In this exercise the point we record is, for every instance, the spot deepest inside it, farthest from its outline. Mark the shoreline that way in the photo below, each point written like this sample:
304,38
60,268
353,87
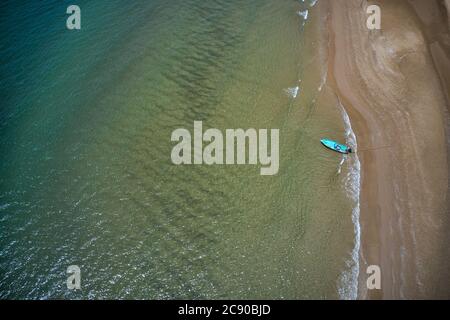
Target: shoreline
389,86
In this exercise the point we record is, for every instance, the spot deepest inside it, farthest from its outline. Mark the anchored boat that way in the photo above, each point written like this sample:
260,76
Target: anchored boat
335,146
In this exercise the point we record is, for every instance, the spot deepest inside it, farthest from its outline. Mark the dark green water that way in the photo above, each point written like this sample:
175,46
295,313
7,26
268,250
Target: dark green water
86,176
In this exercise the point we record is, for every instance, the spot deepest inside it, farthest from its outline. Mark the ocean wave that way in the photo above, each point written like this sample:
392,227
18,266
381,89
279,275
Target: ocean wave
303,14
323,81
292,92
348,289
313,3
344,157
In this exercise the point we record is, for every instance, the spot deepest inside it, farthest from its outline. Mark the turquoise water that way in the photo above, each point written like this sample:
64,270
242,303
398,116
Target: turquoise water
86,176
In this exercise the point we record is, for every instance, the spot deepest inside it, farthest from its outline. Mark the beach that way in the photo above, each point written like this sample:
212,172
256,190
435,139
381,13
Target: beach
393,84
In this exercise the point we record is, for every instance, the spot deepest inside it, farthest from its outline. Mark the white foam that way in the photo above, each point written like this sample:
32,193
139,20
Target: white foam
348,288
303,14
292,92
323,81
313,3
341,163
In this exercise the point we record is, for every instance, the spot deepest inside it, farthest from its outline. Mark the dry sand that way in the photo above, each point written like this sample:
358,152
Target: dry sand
394,84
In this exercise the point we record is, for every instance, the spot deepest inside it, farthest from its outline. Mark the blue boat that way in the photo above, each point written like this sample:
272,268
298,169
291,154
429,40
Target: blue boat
335,146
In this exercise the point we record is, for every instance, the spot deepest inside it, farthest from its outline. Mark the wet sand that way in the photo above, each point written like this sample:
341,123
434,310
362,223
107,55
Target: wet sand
393,83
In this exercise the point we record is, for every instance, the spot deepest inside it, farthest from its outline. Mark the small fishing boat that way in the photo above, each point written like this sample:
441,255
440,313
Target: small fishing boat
335,146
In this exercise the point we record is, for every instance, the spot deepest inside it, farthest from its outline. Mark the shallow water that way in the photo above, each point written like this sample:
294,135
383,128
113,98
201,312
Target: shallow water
86,176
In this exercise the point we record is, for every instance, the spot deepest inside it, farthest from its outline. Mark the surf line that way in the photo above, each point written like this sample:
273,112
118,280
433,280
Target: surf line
238,147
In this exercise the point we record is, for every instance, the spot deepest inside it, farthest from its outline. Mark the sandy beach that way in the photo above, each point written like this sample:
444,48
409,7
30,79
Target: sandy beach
394,84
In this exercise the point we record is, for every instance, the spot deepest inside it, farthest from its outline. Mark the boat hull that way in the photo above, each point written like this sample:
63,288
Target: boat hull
337,147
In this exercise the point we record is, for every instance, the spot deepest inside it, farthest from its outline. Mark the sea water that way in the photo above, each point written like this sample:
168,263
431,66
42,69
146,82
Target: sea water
86,176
